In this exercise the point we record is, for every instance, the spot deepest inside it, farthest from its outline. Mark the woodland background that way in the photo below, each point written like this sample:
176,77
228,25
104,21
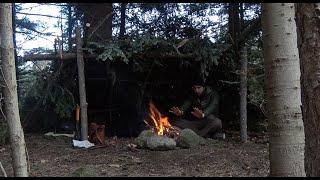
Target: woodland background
151,51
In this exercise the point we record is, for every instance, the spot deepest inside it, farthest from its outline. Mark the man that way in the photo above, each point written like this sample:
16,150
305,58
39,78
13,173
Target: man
200,111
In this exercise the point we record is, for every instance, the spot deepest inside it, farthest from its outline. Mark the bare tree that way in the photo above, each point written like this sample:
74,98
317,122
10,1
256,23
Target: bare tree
18,147
286,131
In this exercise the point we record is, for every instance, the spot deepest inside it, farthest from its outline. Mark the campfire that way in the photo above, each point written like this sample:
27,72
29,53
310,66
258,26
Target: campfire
160,125
163,136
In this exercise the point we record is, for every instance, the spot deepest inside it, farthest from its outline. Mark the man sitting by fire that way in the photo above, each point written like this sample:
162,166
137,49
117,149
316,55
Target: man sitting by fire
199,112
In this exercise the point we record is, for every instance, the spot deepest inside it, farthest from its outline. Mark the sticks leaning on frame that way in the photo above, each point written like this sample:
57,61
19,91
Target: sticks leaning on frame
3,171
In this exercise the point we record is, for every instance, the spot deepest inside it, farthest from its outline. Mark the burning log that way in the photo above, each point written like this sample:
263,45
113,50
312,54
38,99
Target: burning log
173,132
161,125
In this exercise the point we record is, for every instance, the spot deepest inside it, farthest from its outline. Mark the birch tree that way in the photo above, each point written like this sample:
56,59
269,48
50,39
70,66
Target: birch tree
286,131
18,151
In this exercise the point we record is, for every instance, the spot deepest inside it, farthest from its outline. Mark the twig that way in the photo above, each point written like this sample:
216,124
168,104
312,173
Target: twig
3,113
262,109
4,78
3,171
28,161
99,25
38,150
1,105
27,119
229,82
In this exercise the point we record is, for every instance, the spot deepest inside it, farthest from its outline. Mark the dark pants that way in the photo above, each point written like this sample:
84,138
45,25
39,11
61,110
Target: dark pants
203,127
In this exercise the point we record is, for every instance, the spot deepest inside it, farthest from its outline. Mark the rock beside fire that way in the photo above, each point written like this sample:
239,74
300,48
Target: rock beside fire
188,139
160,143
148,140
141,140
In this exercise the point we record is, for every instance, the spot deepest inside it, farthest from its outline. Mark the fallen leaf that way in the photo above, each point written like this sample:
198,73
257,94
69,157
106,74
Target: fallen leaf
132,145
137,161
115,138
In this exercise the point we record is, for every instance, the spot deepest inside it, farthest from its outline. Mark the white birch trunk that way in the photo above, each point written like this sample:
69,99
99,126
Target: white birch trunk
286,131
17,141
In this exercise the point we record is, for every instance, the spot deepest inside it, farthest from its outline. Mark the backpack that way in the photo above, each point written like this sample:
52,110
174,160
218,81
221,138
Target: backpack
97,134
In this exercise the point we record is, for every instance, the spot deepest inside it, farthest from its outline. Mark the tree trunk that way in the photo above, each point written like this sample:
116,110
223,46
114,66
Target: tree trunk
18,146
243,94
243,82
99,16
123,20
82,87
230,109
286,131
309,46
70,27
15,47
234,22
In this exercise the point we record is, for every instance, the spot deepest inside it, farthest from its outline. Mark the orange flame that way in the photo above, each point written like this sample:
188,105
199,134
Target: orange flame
161,124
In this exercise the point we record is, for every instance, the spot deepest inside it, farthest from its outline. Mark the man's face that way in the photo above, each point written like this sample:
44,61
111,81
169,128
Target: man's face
198,89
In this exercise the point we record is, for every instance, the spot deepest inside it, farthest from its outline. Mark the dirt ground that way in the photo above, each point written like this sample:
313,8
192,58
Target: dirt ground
55,156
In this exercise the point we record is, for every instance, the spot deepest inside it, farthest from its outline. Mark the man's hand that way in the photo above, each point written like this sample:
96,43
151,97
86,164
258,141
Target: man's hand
176,111
197,113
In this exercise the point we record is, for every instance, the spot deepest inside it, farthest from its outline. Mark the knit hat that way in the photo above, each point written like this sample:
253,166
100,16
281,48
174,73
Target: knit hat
198,81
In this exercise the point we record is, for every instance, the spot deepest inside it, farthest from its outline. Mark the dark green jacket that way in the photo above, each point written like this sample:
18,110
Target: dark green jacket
208,102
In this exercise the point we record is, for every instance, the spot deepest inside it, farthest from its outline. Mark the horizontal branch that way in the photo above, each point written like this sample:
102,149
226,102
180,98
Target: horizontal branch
44,15
55,57
73,56
38,33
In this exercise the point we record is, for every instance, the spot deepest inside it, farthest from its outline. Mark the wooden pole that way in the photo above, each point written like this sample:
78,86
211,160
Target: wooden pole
82,87
243,94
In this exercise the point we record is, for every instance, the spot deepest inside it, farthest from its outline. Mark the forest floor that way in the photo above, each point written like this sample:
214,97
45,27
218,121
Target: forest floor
56,157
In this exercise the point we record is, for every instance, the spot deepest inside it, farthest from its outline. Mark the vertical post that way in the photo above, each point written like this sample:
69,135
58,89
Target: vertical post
82,87
243,94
